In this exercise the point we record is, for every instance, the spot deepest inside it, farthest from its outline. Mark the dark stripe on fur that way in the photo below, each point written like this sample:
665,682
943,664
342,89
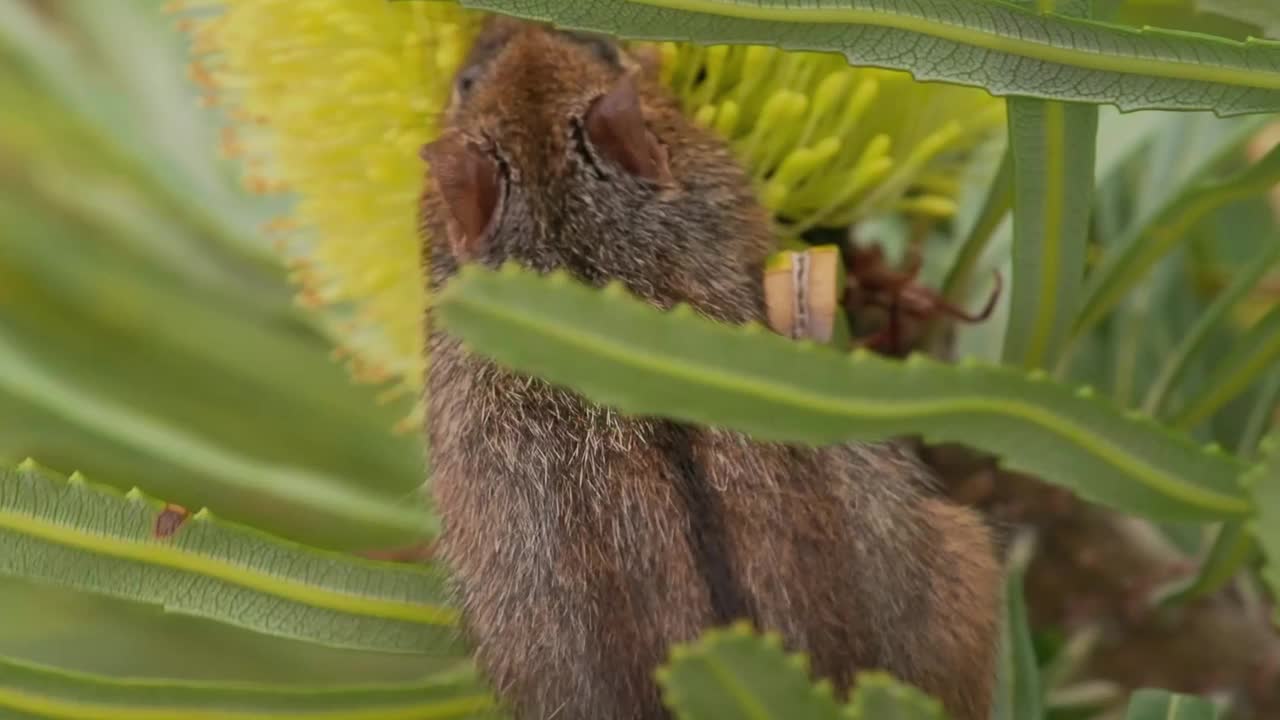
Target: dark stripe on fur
706,532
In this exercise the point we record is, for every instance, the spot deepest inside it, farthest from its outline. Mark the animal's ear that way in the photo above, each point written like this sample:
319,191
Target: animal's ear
470,184
616,126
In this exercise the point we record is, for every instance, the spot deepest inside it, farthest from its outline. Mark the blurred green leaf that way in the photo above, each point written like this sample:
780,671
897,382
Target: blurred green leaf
734,674
1178,362
1087,61
1264,482
1158,233
880,697
1164,705
1263,13
170,159
621,352
1019,695
1053,170
1261,415
51,693
1231,547
83,537
103,336
24,378
1252,355
995,207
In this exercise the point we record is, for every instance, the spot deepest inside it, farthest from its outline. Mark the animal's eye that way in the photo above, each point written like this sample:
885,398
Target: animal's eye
467,80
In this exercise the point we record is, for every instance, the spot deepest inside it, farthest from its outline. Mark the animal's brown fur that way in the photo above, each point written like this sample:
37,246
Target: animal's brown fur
584,543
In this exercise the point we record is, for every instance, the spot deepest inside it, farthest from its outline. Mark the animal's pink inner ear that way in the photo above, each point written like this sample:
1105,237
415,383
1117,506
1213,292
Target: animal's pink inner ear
616,127
468,180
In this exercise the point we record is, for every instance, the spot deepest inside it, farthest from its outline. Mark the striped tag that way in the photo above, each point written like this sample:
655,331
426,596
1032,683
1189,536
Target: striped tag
802,292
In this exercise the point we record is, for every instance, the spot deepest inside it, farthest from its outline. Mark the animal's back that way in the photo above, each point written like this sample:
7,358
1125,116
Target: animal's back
585,543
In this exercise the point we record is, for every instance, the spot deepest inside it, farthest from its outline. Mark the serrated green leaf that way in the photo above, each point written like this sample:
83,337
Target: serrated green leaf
46,692
619,351
1053,163
961,41
89,538
1019,690
1152,238
734,674
1164,705
880,697
1252,355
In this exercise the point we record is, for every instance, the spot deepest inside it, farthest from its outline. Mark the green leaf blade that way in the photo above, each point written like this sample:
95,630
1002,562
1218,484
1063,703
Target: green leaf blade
1179,362
1252,355
733,674
964,42
1053,181
1158,234
87,538
50,693
1020,695
1163,705
880,697
1264,482
618,351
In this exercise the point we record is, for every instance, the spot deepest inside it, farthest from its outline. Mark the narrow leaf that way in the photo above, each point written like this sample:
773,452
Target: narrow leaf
1232,546
1264,482
1020,696
621,352
1153,238
1253,354
25,378
51,693
733,674
1176,366
1164,705
1261,416
880,697
89,538
963,42
1053,147
994,208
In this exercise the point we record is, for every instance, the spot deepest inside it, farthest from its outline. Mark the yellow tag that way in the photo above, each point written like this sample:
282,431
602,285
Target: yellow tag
801,290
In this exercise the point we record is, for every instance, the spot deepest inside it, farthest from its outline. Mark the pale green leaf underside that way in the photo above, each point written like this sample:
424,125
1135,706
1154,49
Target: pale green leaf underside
1005,49
49,693
92,539
621,352
1163,705
1053,194
733,674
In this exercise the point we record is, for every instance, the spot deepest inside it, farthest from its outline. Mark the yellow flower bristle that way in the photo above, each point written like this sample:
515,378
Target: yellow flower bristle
830,145
333,98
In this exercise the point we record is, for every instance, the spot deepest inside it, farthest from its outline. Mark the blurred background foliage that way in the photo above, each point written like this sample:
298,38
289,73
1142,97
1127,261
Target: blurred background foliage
149,336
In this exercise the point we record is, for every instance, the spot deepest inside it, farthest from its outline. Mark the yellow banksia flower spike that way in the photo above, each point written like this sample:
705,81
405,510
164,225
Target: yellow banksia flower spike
332,99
